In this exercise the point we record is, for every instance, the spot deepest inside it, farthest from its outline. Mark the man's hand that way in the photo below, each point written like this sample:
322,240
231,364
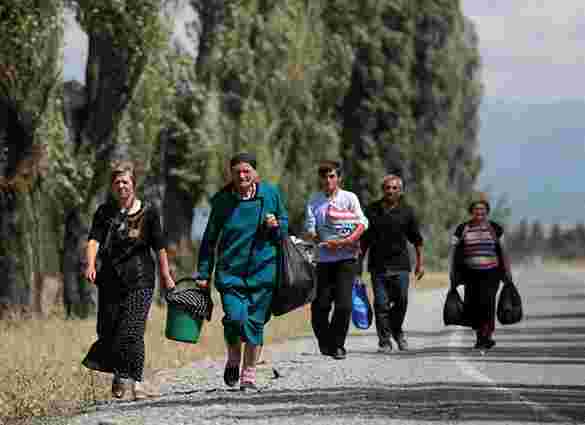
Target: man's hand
202,284
334,244
90,273
310,237
419,271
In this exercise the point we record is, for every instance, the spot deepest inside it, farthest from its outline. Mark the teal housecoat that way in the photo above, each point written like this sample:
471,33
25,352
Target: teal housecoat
245,260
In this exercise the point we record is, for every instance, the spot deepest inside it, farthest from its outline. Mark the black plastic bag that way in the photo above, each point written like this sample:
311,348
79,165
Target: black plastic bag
297,280
361,309
453,310
509,310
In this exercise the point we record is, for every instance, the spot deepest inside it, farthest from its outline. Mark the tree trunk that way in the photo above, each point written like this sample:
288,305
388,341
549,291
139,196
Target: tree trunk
16,155
78,294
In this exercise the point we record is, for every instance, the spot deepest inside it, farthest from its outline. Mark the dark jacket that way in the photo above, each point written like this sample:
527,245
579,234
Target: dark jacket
387,237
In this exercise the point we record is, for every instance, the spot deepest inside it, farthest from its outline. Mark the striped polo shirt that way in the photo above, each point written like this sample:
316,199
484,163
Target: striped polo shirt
479,247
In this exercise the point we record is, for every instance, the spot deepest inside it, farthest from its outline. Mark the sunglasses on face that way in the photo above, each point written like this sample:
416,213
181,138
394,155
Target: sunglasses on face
392,187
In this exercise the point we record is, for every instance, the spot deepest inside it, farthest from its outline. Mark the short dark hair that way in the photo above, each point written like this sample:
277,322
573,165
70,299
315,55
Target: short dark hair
328,165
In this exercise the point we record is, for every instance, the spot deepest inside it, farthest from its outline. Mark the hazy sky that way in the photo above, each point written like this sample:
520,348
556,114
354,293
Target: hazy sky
74,50
531,49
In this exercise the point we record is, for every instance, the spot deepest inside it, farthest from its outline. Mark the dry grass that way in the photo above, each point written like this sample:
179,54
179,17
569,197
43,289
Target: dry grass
432,280
42,375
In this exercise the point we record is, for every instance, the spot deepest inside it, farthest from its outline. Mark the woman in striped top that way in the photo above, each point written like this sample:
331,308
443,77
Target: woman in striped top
480,263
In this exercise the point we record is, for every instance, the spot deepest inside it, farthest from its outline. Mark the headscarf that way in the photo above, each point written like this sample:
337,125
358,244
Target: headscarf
249,158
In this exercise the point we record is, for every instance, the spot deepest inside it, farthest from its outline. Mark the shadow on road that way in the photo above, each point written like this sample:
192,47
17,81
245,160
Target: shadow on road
529,343
433,401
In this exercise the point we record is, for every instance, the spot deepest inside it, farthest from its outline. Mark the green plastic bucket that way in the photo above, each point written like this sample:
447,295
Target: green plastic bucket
181,326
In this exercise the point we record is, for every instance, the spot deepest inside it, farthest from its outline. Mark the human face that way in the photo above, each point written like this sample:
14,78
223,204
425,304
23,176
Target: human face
328,180
479,213
123,188
392,190
243,176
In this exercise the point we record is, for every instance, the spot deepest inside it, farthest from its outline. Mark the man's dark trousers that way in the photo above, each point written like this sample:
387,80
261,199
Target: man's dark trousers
334,285
390,303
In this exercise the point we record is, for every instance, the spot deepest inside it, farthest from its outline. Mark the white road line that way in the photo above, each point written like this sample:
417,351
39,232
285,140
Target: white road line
541,412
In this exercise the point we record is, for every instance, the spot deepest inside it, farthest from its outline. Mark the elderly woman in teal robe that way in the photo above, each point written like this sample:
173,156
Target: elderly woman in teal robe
240,245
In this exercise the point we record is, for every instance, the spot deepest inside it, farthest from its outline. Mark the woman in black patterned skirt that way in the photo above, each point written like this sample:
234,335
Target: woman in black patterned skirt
122,235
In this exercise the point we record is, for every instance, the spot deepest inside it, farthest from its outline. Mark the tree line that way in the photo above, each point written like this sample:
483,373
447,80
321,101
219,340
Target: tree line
386,86
528,240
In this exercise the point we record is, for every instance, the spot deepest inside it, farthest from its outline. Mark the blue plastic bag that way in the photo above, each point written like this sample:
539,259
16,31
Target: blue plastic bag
361,309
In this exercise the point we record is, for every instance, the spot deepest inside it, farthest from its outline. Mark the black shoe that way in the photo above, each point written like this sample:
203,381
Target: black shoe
488,343
326,351
484,343
231,375
339,353
401,342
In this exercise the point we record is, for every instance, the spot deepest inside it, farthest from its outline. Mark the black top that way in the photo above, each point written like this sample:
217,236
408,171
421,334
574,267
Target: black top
125,256
387,234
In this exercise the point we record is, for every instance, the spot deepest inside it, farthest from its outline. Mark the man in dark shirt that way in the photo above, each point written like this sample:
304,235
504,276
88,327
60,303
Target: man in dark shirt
392,225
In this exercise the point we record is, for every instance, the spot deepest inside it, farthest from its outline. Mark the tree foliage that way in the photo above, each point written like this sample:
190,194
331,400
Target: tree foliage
31,34
387,86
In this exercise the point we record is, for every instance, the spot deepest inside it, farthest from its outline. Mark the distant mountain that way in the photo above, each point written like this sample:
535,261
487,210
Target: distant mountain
534,154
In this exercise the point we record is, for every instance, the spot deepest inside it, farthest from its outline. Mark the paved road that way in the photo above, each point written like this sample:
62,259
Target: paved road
534,375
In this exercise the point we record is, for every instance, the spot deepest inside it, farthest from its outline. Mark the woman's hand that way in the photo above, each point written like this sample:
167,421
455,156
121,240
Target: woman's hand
90,273
271,221
168,281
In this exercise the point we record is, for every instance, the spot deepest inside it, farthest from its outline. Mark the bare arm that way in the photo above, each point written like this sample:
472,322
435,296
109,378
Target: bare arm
165,272
90,257
451,261
506,261
419,269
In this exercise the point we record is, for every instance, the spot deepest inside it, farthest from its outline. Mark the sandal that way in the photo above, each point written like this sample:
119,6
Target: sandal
248,381
143,390
122,388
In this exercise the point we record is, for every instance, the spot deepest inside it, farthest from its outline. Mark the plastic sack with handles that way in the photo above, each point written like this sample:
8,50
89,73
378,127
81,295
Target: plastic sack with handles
509,309
296,279
361,309
453,310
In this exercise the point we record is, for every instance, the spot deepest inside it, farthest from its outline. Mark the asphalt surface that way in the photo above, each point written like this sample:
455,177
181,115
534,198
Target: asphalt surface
534,375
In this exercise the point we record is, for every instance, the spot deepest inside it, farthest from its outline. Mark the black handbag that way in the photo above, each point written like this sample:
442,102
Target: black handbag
296,279
509,309
454,309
